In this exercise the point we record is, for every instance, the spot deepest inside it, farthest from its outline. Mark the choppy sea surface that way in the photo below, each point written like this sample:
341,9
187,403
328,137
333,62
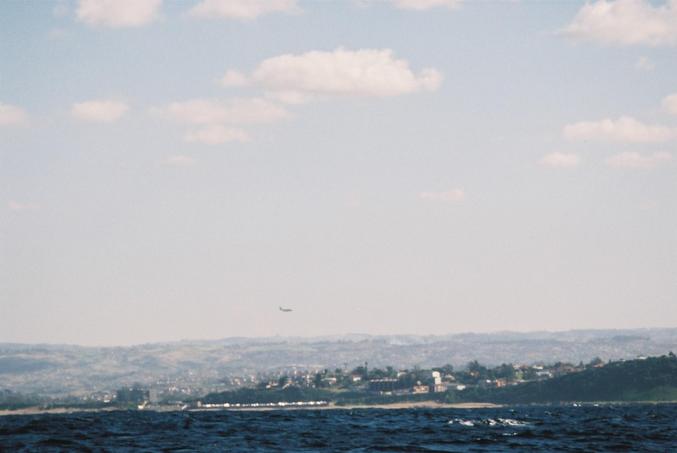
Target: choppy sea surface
587,428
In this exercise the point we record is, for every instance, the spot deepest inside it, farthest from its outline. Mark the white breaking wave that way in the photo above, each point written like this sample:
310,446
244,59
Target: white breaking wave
488,422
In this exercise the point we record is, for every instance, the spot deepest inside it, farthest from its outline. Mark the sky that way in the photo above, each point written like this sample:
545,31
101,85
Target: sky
180,169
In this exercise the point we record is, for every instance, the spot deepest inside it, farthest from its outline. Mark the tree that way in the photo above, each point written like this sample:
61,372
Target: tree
595,362
477,371
377,373
505,371
360,371
446,369
317,381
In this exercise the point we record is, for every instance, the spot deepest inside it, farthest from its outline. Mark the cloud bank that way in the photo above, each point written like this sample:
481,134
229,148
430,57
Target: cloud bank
624,129
560,160
297,79
424,5
242,9
216,118
117,13
20,206
626,22
99,111
234,79
342,72
216,135
670,104
11,115
637,160
235,111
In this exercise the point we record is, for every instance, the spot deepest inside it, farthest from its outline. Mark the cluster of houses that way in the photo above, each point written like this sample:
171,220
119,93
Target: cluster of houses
388,381
418,381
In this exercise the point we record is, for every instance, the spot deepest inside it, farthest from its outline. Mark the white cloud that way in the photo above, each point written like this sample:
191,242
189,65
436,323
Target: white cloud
670,104
423,5
215,118
560,160
366,72
644,64
242,9
100,111
19,206
11,115
216,135
450,196
626,22
236,111
234,79
180,161
289,97
637,160
624,129
117,13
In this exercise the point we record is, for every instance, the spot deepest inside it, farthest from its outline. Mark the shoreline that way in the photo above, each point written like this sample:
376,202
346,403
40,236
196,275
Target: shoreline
417,405
330,406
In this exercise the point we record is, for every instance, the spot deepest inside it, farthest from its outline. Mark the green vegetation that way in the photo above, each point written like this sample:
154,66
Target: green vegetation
14,401
131,395
652,379
11,400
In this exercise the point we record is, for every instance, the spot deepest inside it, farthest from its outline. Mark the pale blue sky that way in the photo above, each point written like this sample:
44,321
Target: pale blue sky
529,183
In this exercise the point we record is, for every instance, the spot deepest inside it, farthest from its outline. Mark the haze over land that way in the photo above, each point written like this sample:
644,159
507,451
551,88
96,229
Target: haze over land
200,366
179,169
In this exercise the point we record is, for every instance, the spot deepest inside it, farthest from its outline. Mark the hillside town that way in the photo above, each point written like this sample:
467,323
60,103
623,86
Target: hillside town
643,378
386,381
188,369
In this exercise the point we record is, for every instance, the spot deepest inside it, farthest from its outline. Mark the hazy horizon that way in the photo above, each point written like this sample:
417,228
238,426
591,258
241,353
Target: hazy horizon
181,169
302,337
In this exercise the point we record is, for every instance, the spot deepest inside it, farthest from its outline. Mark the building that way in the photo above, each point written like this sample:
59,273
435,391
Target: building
329,381
383,385
437,385
420,388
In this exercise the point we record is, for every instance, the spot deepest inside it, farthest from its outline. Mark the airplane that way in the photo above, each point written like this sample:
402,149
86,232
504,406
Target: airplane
286,310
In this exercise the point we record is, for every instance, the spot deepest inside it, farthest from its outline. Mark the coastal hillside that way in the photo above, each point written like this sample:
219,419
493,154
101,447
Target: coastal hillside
646,379
651,379
200,366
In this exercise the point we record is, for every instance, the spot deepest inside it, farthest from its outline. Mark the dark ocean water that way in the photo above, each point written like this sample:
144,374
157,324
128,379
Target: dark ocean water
530,428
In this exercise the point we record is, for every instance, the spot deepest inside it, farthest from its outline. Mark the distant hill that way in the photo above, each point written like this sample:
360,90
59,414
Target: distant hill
62,369
651,379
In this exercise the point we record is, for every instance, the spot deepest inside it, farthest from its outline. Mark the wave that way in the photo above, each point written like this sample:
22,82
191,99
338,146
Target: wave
489,422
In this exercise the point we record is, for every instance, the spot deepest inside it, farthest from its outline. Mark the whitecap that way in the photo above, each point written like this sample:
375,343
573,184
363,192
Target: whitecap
462,422
513,422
